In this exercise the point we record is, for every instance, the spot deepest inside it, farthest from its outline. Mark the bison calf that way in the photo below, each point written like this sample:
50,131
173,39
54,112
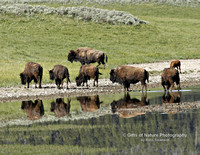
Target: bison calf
59,73
86,72
176,64
32,71
86,55
128,74
168,77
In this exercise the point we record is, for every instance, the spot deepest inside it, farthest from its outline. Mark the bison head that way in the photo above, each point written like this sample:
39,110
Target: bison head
23,78
52,75
112,75
71,56
78,81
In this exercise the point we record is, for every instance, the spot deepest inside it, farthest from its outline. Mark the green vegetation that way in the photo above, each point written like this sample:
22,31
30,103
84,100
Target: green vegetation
47,39
108,134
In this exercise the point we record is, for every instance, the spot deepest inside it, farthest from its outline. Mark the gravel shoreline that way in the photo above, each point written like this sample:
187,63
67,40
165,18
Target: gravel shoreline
190,75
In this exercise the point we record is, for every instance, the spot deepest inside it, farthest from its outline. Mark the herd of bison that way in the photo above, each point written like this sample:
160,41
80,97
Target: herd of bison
123,74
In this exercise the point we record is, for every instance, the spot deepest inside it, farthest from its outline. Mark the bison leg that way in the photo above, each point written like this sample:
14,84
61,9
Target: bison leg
94,83
27,84
87,84
144,85
126,86
164,86
39,81
171,83
62,84
97,82
57,83
67,82
35,80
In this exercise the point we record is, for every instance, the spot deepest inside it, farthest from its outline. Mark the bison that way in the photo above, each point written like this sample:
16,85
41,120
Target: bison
59,73
176,64
86,55
127,105
34,110
32,71
168,77
89,103
86,72
60,108
126,75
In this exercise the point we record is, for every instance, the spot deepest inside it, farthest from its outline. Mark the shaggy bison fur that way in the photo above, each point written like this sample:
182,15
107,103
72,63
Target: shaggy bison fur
32,71
170,76
59,73
127,75
86,72
86,55
176,64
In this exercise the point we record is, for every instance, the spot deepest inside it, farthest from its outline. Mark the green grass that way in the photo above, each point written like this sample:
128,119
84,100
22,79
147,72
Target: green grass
47,39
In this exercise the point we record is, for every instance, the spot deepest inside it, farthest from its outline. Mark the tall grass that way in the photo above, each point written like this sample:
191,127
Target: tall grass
47,39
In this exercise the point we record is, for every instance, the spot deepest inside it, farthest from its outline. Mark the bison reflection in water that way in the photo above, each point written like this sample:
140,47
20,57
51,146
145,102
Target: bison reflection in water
60,108
89,103
173,97
126,107
34,110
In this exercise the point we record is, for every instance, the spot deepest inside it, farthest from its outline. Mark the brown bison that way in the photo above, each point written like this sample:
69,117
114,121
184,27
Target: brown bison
126,106
86,72
173,97
60,108
89,103
126,75
32,71
59,73
34,110
176,64
86,55
168,77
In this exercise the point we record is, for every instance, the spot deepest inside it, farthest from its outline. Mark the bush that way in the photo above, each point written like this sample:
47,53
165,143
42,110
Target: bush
81,13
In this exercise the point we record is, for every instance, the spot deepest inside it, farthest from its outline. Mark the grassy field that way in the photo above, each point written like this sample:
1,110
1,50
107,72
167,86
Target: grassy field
172,33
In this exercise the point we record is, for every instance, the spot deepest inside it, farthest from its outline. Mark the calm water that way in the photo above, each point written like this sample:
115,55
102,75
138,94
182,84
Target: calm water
110,122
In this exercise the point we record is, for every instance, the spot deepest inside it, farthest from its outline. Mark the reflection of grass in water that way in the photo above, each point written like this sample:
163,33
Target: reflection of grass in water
53,149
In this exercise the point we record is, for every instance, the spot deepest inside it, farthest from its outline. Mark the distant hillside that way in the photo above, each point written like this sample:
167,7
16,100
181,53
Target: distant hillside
105,2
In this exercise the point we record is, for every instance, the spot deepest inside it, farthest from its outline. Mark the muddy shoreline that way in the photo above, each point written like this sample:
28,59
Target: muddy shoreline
190,76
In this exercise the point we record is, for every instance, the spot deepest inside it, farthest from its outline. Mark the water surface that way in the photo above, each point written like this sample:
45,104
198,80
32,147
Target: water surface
114,123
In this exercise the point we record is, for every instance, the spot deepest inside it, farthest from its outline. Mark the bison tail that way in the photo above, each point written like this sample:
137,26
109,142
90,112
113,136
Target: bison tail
41,73
106,58
67,75
68,79
146,76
